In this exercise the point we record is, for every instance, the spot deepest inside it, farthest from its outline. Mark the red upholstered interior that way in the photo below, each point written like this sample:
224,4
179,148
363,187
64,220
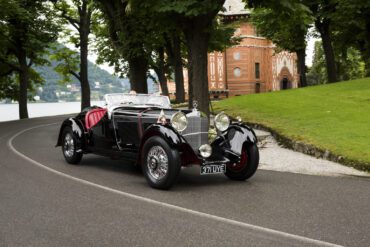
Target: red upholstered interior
93,117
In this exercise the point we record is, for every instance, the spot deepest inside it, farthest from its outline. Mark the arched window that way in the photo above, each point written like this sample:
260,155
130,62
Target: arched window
237,72
236,55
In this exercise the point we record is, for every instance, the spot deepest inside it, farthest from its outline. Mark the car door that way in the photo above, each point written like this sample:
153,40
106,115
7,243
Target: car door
102,137
126,129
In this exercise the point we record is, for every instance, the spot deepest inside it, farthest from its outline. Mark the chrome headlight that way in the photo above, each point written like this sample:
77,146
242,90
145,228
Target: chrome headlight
222,121
205,150
179,121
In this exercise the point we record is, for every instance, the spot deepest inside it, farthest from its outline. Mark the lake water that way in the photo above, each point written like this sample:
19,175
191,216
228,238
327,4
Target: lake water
9,112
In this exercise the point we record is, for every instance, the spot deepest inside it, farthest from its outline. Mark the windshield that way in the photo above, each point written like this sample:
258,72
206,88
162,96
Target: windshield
138,99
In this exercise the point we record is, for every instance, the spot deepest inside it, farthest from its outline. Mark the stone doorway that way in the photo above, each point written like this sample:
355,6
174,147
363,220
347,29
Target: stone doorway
285,84
285,79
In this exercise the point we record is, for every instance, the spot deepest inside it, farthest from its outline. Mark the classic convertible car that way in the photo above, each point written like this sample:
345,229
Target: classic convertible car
145,129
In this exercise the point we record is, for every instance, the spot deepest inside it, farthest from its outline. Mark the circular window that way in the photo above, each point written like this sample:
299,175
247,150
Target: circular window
236,55
237,72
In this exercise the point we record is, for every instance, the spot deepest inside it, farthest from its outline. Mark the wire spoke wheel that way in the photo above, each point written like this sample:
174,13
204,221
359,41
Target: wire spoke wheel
71,146
68,145
160,163
157,162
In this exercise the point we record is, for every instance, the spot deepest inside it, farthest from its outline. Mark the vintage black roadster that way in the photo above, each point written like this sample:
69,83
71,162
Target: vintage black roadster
159,139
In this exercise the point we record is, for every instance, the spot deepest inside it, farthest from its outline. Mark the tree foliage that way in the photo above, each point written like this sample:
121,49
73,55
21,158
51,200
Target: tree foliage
287,29
81,15
26,31
352,28
124,40
195,19
343,25
68,63
351,65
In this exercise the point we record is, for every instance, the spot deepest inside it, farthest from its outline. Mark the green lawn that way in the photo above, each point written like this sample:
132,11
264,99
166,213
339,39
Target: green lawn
334,117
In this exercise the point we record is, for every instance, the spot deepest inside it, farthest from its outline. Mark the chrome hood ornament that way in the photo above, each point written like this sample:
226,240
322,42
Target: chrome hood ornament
194,111
195,105
162,118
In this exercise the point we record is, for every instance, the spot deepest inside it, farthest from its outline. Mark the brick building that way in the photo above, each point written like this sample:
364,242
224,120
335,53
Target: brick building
252,66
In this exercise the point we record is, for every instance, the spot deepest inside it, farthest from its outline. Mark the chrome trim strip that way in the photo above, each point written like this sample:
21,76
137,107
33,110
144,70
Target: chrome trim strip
133,114
195,133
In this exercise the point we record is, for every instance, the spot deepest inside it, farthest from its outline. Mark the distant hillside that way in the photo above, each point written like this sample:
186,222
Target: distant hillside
101,82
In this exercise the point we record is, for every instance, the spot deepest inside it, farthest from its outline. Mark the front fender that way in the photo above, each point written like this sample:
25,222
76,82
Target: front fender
168,133
235,136
77,129
174,140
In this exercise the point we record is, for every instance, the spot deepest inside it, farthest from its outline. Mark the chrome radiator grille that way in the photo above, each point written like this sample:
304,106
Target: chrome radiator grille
196,133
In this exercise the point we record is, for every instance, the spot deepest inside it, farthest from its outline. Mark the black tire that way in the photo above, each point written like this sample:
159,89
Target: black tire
244,170
70,151
152,162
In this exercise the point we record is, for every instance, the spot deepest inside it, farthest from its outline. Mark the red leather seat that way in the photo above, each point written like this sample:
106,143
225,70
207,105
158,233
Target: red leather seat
94,116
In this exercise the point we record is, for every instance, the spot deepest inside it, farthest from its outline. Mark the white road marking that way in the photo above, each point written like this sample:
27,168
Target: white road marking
272,232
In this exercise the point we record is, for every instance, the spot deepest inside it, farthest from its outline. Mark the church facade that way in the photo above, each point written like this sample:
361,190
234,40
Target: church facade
252,66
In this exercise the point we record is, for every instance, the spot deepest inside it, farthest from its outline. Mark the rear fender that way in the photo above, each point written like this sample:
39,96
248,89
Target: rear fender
77,129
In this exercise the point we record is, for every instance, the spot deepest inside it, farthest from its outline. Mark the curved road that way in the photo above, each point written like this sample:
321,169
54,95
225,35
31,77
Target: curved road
102,202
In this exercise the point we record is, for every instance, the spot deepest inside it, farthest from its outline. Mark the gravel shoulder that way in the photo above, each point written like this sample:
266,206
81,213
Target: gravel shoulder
273,157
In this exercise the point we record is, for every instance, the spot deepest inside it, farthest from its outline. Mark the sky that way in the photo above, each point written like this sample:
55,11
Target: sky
310,49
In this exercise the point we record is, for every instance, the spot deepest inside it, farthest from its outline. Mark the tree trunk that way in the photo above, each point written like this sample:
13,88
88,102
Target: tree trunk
190,82
323,28
162,81
138,68
161,72
365,55
23,84
301,54
84,43
84,80
197,41
177,64
342,65
367,64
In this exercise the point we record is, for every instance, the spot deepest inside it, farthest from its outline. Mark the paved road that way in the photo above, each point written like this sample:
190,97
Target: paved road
104,202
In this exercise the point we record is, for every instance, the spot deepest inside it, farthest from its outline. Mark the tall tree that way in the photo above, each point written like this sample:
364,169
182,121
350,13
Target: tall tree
143,35
160,67
352,28
322,10
288,30
173,51
348,60
198,20
195,18
26,31
166,36
124,38
78,14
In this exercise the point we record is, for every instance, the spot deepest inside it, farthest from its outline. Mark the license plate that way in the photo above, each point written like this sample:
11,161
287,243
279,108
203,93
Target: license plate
212,169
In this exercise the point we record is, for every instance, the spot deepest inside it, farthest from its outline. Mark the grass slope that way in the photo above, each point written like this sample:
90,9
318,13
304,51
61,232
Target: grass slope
334,117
